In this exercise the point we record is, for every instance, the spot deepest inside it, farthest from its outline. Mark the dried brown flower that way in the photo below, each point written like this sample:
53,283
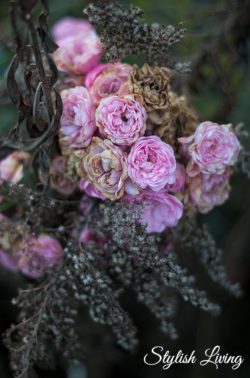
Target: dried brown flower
179,120
73,164
153,85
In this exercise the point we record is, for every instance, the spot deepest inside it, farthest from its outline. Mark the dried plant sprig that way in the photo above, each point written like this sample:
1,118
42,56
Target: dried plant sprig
124,32
244,158
130,239
197,239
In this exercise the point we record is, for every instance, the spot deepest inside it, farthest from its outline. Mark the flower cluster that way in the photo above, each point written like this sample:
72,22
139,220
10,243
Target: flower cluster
125,135
32,256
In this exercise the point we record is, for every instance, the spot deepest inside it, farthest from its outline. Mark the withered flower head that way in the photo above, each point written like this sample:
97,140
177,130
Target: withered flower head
153,85
73,164
179,120
106,167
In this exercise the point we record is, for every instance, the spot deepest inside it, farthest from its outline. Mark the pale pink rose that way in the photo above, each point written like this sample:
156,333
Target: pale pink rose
208,190
69,26
39,256
151,163
106,168
79,49
213,147
8,261
90,190
58,180
92,75
108,80
78,54
78,118
179,184
121,119
11,168
160,210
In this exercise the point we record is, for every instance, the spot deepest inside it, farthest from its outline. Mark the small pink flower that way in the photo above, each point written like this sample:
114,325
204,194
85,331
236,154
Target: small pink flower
90,190
11,168
121,119
79,46
78,118
58,180
213,147
179,184
208,190
88,235
40,255
160,210
151,163
108,80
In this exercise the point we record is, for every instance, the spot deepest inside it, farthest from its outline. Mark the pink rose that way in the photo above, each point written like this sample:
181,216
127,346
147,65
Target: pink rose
106,168
40,255
179,184
213,147
107,80
78,118
11,168
160,210
121,119
79,46
88,235
69,26
151,163
90,190
208,190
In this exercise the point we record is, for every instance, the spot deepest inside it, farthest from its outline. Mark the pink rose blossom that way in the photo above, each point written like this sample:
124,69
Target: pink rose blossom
78,118
88,235
151,163
40,255
213,147
179,184
90,190
11,168
107,80
160,210
69,26
208,190
79,46
121,119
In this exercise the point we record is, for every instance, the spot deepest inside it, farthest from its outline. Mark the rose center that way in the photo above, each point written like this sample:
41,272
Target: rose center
124,118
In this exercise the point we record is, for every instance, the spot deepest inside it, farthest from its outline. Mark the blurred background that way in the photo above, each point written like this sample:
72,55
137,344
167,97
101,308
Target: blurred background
218,45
